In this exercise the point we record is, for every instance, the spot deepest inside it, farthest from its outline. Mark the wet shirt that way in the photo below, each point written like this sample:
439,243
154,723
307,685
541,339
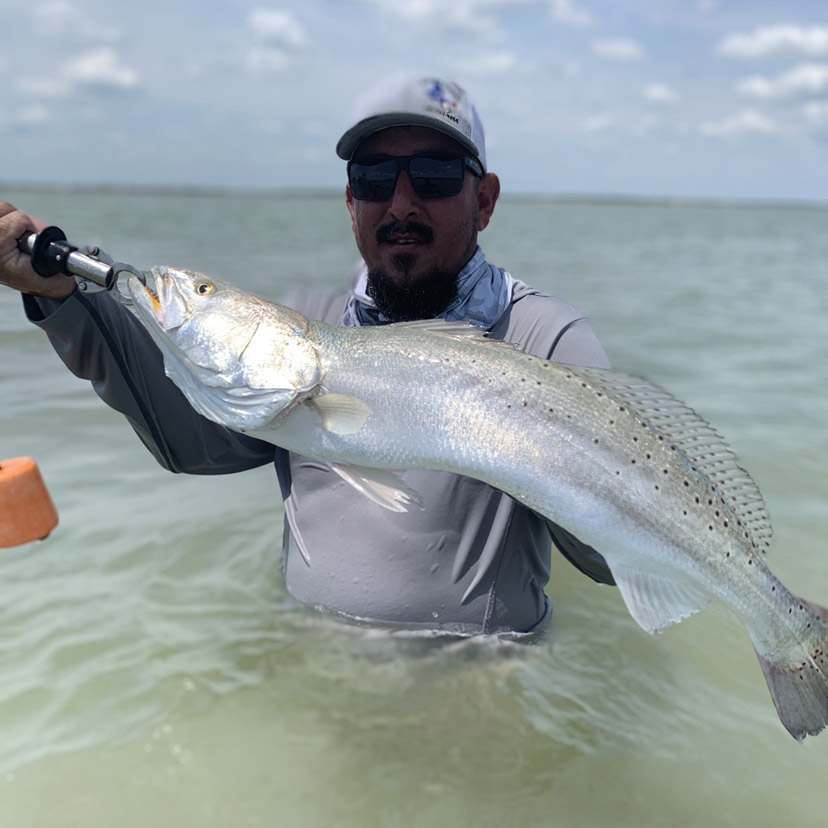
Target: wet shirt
473,560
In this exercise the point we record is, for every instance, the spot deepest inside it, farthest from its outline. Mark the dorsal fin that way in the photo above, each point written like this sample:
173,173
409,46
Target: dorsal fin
706,452
459,329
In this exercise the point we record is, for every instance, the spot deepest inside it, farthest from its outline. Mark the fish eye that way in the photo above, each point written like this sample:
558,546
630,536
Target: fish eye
204,288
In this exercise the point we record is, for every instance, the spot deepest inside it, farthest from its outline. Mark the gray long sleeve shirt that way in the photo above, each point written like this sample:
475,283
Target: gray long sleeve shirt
473,561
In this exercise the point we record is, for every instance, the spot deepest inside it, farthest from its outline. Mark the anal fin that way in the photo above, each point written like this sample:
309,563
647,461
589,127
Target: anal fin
657,599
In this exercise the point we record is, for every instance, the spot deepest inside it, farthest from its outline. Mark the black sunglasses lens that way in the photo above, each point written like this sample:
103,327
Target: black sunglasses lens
436,177
373,182
432,176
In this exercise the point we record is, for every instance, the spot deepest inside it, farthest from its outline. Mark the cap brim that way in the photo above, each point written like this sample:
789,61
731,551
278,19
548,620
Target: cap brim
349,142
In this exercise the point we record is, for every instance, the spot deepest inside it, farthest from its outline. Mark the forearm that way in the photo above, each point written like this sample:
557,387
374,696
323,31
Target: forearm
100,341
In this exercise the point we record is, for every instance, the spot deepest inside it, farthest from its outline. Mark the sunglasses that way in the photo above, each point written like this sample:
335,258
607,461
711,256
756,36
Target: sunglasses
432,175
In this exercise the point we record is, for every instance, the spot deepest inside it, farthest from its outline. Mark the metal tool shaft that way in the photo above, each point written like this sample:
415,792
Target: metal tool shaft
51,254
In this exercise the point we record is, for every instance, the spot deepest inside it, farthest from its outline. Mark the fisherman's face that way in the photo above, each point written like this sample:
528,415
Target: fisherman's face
413,241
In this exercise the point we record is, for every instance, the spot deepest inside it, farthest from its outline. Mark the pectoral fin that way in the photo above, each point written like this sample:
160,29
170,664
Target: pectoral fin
382,487
339,413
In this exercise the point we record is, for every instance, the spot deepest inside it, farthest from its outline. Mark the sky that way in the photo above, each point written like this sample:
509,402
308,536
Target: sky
724,99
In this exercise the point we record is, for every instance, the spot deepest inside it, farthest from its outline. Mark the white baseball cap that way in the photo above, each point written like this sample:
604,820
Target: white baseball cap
414,101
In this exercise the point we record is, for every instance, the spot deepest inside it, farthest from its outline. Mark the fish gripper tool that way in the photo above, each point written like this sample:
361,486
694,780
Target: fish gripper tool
51,254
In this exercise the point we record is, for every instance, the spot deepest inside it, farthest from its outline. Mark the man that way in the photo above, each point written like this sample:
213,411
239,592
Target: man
418,192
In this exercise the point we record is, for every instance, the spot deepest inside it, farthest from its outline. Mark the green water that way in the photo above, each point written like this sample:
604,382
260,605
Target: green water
154,670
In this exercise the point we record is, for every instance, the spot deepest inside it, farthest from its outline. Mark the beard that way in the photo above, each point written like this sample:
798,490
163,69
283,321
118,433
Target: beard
422,297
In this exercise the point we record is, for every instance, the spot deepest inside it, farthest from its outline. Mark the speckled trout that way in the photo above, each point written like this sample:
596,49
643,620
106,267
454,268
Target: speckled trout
613,459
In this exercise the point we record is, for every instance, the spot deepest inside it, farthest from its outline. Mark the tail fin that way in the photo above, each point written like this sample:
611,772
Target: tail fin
799,688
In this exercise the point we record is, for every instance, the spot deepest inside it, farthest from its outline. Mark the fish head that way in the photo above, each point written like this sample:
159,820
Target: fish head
239,359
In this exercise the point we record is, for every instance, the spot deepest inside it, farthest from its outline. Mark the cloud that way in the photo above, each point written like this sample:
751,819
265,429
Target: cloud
56,18
278,37
277,28
30,117
100,69
597,123
51,87
768,41
816,113
621,49
488,63
659,93
566,12
805,80
471,17
479,18
744,122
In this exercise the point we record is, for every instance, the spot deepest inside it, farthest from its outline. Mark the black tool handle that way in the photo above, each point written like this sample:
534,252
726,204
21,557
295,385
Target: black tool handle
52,254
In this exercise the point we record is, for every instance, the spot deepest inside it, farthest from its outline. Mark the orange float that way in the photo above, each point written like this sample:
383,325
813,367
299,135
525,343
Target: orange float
26,509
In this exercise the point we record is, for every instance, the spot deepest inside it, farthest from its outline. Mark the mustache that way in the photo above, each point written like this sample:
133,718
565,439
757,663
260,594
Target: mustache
408,228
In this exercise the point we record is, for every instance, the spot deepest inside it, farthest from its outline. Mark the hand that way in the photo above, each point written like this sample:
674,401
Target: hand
16,267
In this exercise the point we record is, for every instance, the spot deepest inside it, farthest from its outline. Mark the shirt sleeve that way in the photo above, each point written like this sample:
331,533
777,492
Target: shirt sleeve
100,341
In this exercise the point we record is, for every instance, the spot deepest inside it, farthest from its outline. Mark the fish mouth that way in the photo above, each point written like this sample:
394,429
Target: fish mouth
154,300
159,300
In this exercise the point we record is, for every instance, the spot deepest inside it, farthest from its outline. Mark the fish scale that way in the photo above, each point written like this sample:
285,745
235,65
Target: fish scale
616,461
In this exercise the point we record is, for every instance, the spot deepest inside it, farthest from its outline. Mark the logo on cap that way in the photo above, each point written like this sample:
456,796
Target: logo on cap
440,94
